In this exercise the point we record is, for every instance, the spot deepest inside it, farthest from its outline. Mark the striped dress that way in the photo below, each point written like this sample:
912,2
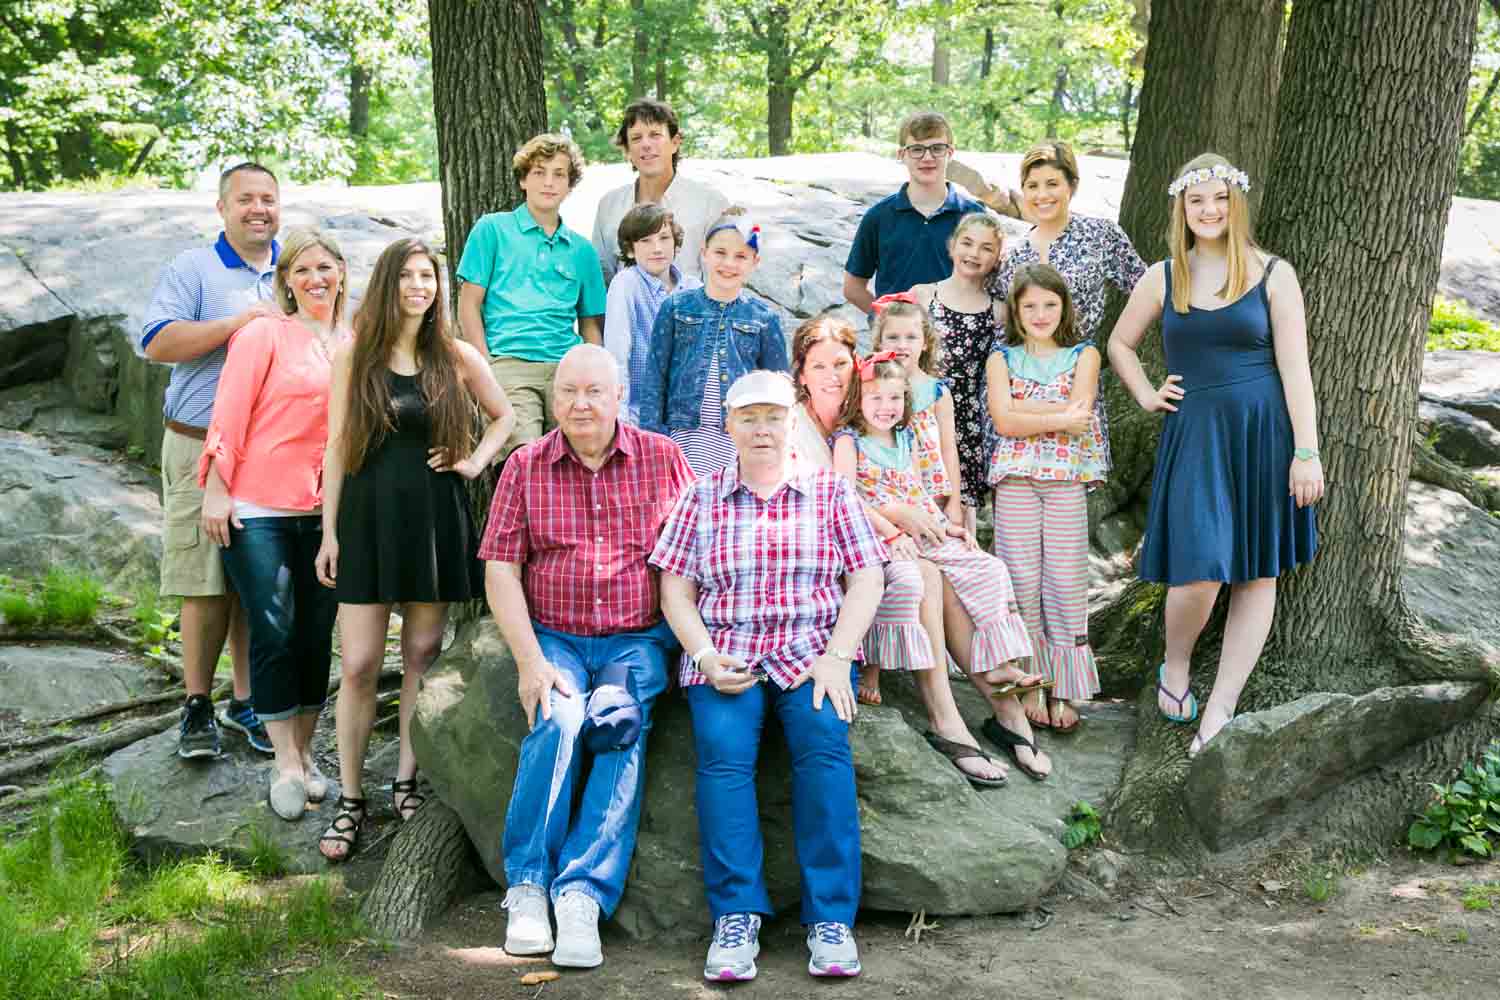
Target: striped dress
706,447
1042,521
885,475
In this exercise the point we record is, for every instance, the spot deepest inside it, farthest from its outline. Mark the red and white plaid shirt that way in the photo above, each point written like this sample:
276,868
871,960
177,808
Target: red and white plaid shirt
768,571
582,537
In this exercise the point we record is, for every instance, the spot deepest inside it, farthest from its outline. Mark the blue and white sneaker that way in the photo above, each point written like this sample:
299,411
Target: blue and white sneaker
732,953
833,950
240,717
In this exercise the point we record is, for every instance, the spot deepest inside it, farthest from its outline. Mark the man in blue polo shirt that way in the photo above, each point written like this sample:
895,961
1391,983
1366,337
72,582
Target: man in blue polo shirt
903,239
204,296
526,279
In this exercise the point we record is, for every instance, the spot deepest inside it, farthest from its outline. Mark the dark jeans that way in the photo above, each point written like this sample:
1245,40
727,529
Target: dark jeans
270,562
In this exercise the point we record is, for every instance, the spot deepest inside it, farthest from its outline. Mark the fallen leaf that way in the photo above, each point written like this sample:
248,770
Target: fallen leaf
1271,885
537,978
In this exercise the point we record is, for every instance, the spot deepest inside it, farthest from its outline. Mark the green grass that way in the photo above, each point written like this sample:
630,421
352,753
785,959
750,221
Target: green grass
63,597
1454,327
17,608
210,931
1482,896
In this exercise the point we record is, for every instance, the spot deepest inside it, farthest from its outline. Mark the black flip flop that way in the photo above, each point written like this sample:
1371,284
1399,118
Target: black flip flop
1009,742
956,752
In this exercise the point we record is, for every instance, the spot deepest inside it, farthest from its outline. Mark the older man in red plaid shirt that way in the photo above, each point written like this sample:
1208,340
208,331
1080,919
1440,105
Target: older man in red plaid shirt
573,519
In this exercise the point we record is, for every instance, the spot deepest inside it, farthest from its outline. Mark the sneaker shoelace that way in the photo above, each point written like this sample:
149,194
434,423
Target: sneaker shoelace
733,931
830,933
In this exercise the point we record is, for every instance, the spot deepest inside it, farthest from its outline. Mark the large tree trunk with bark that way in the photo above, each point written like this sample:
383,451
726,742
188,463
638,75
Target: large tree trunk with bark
1211,77
1361,181
359,100
431,864
487,100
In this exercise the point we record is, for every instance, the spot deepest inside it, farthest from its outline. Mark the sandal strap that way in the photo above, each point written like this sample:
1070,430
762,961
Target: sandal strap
347,821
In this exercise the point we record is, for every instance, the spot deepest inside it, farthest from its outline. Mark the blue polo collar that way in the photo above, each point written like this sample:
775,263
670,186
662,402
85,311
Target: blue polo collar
526,223
655,284
232,259
950,203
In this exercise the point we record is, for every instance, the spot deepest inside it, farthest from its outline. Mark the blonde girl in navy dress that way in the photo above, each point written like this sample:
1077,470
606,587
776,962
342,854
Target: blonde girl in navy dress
1237,469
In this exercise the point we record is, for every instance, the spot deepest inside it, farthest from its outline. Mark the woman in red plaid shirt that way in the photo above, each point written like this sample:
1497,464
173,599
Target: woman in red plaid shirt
770,576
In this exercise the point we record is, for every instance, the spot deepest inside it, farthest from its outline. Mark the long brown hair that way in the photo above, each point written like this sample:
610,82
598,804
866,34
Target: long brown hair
1239,235
377,327
813,332
1047,278
928,361
854,415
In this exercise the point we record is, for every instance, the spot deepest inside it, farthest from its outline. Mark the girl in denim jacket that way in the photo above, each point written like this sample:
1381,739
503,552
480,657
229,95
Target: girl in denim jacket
703,340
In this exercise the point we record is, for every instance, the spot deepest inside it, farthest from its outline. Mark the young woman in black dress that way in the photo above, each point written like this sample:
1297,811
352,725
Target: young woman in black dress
396,522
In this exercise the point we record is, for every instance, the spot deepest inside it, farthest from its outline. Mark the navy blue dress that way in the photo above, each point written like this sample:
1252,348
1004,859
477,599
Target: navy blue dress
1220,507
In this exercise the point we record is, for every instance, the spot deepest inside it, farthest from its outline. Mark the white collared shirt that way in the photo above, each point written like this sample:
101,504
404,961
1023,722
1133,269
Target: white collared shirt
694,206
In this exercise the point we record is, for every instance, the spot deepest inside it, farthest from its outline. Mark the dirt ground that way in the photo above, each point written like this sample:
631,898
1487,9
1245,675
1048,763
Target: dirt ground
1392,930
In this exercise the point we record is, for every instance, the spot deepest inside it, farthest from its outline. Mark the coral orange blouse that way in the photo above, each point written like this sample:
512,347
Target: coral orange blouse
270,422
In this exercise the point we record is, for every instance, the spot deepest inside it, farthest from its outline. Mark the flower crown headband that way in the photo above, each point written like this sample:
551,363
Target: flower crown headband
749,231
1217,172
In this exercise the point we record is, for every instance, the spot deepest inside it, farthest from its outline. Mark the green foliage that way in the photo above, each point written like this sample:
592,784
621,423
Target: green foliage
1083,826
1479,155
154,622
1464,816
265,857
1481,896
18,609
1454,327
70,597
1320,887
67,878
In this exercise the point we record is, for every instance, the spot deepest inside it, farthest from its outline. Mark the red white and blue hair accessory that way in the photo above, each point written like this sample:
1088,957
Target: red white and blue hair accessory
1217,172
749,231
879,305
867,366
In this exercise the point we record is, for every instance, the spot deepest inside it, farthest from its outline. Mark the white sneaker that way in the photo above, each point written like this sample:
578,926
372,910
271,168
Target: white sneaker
577,932
736,945
833,950
528,931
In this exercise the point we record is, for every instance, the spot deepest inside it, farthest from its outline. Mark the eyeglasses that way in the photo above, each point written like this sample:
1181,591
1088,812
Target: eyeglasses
936,150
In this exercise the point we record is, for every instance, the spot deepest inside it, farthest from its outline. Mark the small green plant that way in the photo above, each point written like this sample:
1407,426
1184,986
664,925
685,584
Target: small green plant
1083,826
1464,816
18,608
1482,896
1320,887
265,857
1454,327
70,597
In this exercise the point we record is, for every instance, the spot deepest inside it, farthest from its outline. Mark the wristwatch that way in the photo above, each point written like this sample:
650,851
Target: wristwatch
838,654
698,656
1304,454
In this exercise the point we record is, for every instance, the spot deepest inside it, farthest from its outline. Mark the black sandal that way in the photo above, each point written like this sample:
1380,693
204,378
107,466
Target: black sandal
402,794
344,829
956,752
1010,741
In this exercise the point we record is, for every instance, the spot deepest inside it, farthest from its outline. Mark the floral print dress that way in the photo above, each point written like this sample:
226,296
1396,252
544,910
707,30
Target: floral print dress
967,339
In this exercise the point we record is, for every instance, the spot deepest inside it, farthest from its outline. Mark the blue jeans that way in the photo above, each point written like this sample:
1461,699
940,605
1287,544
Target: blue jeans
270,562
543,843
825,815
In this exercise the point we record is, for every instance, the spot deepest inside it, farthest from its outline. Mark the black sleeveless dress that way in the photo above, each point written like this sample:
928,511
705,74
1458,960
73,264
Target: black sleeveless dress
405,532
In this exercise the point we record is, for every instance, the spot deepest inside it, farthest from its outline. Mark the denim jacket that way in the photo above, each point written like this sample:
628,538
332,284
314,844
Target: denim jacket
690,326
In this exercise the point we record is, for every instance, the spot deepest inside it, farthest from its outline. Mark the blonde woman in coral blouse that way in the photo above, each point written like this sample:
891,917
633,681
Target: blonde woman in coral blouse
261,471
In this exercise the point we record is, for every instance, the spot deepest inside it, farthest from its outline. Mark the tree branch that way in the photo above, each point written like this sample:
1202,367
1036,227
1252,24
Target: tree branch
1483,106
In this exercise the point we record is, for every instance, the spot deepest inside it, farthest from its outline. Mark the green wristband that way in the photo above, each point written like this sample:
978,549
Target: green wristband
1304,454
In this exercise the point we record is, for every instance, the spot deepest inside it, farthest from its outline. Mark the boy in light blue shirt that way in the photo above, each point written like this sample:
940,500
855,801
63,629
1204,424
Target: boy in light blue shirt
527,278
649,239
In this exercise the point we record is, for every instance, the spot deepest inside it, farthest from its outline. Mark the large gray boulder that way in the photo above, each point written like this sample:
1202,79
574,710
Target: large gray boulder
1458,435
1451,576
1464,380
929,839
76,507
1265,764
51,680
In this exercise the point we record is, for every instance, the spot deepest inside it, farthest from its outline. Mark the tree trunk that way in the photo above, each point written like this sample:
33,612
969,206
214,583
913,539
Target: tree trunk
663,50
640,50
1211,76
781,89
487,99
430,865
942,47
1361,181
359,100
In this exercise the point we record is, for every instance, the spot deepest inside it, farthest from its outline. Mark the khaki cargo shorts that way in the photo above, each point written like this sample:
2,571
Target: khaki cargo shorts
190,563
528,386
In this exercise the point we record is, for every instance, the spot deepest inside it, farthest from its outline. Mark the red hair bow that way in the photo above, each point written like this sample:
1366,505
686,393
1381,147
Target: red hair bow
879,304
867,366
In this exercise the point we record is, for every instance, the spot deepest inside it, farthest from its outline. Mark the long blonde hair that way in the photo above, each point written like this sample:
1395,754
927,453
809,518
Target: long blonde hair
1241,249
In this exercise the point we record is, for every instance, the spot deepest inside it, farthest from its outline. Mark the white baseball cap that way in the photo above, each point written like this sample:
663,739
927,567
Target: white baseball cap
761,386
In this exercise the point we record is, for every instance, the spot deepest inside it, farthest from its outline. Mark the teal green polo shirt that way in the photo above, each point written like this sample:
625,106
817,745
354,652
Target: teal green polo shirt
535,285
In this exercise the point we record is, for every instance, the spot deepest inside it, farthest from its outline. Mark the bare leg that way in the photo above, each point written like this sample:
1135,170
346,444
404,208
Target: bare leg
421,641
1251,607
362,637
205,621
286,738
933,686
1007,711
1188,608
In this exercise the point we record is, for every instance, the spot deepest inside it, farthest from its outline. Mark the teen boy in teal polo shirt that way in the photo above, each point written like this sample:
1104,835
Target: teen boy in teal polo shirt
526,279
